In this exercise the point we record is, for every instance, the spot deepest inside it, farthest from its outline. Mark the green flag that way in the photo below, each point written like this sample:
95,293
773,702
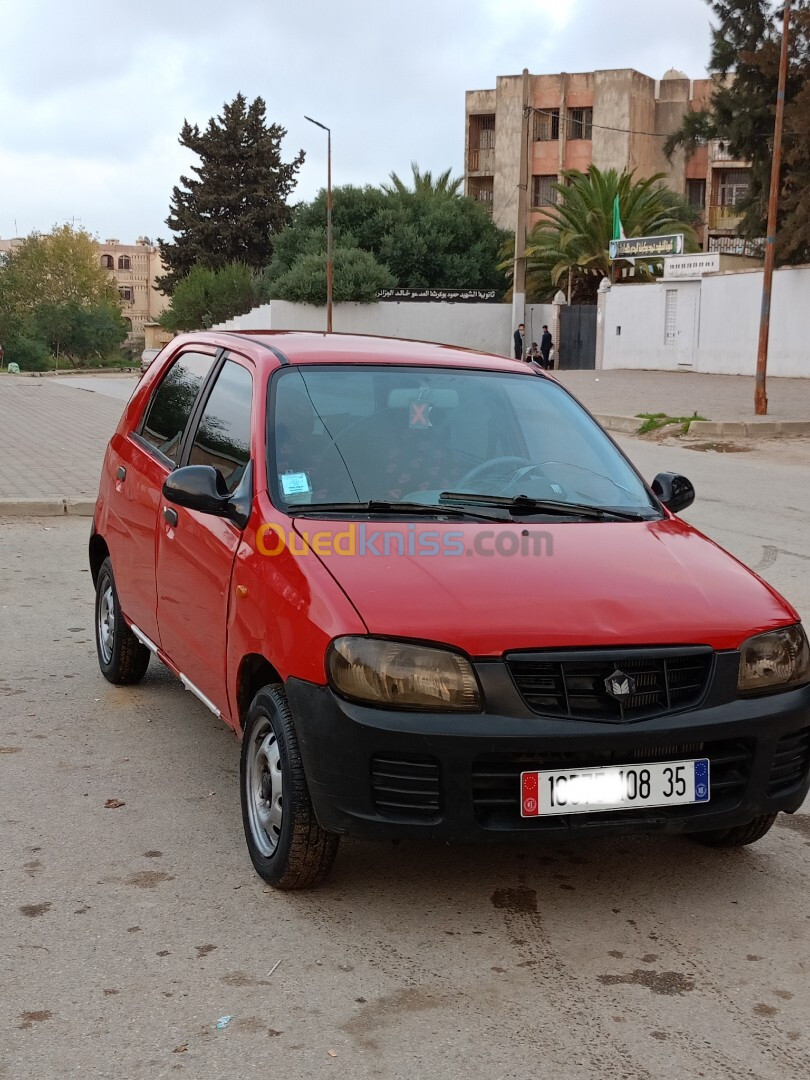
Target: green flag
618,231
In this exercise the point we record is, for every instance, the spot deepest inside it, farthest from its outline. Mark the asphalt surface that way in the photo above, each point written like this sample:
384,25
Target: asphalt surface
129,930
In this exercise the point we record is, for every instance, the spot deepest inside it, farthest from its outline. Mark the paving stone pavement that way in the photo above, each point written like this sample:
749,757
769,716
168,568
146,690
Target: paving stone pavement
53,434
52,439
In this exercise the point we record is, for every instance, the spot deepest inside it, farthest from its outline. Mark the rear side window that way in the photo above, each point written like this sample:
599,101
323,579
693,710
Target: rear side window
172,404
223,436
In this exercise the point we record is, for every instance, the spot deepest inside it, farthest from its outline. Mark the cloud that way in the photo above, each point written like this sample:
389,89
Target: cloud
93,96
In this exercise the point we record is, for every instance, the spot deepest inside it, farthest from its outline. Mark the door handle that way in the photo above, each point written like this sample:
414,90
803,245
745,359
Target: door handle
121,472
170,515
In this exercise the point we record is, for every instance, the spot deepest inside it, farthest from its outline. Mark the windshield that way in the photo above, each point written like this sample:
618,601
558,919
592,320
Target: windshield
341,434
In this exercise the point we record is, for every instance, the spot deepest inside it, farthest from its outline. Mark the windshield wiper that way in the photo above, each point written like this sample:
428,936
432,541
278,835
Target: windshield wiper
379,506
522,505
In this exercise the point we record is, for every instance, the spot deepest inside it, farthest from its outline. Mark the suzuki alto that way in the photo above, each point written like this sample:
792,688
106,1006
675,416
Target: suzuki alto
435,600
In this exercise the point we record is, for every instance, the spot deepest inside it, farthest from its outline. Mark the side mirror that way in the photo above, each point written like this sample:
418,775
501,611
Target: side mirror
674,491
198,487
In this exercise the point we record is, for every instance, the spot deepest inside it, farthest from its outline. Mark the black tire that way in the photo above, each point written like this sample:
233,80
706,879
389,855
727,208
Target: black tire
738,835
122,658
287,846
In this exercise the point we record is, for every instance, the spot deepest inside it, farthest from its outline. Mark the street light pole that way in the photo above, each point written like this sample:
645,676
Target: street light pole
760,395
329,268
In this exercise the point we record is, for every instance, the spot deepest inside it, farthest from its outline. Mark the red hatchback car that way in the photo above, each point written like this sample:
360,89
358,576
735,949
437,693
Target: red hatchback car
435,599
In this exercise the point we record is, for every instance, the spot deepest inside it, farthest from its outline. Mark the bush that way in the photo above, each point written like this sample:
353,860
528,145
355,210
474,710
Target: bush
31,353
356,276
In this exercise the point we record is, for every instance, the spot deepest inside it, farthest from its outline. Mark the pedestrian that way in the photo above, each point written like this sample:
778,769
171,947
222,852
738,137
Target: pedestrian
534,355
546,345
520,335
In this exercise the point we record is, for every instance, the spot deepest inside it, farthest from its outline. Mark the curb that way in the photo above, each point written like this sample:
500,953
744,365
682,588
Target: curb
729,429
25,508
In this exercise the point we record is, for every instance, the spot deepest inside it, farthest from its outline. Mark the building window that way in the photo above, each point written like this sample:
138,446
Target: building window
580,123
543,193
696,193
123,262
125,292
480,190
546,125
732,186
107,262
482,132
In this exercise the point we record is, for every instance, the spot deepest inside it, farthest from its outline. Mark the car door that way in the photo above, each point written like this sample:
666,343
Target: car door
196,550
139,463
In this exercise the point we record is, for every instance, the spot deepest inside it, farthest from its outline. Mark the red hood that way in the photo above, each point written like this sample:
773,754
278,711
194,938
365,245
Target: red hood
603,583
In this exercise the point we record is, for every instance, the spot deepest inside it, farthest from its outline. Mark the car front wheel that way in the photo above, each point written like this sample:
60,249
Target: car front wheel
287,846
121,657
738,835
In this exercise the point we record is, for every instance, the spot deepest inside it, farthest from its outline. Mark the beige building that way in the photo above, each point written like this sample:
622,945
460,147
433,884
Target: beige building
135,268
616,119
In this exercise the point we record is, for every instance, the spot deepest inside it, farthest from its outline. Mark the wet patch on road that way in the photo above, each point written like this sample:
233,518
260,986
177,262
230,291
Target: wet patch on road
28,1019
519,901
32,911
659,982
148,879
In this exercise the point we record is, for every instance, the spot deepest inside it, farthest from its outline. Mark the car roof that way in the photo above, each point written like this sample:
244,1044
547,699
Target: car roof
307,347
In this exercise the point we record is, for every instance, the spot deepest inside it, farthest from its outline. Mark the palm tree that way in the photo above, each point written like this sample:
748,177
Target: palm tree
424,184
575,235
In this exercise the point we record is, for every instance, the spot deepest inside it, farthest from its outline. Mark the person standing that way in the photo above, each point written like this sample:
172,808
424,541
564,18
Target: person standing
520,335
545,349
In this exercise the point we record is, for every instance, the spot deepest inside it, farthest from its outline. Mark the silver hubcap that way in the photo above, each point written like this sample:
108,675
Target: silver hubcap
263,787
106,624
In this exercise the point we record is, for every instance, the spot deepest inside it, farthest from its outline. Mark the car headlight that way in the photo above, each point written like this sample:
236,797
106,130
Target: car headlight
774,661
401,675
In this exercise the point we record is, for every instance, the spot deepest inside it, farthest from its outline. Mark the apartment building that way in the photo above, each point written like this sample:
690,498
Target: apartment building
614,119
135,268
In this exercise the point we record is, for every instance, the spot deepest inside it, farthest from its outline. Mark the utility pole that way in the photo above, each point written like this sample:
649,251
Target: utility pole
760,395
329,268
521,222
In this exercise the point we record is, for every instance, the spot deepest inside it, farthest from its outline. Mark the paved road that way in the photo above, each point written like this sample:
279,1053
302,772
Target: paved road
128,932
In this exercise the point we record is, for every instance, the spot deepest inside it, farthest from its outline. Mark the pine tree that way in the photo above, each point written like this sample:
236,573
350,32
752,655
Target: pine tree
238,201
744,63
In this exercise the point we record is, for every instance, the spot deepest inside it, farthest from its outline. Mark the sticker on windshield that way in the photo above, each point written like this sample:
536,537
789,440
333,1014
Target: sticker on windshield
295,483
419,416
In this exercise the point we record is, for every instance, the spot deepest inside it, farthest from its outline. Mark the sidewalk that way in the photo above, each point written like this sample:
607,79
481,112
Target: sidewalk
52,442
726,401
53,434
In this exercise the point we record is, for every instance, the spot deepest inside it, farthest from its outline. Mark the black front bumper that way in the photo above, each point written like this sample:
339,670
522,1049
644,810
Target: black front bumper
456,777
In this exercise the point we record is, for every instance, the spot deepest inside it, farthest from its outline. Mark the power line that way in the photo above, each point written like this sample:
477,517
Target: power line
627,131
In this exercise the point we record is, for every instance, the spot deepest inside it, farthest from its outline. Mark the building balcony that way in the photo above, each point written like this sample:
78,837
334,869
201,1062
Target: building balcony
725,218
481,161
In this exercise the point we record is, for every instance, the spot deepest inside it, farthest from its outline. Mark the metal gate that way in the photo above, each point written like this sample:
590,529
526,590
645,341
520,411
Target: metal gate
577,346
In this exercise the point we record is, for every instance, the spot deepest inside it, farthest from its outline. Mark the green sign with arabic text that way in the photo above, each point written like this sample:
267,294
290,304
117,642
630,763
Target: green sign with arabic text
647,246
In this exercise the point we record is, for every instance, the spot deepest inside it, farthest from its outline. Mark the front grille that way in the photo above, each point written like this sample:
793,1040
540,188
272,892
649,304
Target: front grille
790,762
496,778
574,684
406,787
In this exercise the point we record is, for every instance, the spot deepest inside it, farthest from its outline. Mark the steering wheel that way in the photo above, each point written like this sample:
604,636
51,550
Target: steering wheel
487,468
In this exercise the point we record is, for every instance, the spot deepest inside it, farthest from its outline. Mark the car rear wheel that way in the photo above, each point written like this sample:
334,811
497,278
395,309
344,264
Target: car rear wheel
287,846
121,657
738,835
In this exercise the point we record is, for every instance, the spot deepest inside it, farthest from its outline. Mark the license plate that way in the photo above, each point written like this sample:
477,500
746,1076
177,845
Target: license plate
615,787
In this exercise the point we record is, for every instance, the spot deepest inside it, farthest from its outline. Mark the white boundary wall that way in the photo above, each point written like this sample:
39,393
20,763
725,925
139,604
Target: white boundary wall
713,324
487,327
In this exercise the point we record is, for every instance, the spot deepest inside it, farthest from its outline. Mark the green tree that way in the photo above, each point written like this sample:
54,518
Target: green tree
424,184
238,201
206,297
357,276
744,64
424,240
59,267
575,235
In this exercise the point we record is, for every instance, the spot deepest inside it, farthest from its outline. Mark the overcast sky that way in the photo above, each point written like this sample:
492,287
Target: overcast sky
93,94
